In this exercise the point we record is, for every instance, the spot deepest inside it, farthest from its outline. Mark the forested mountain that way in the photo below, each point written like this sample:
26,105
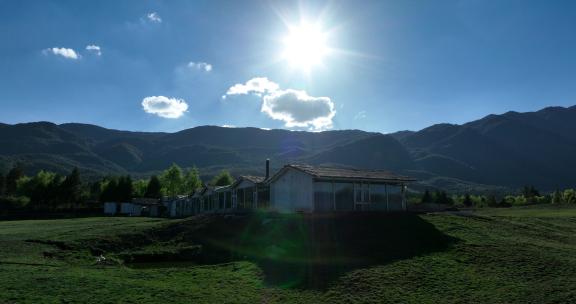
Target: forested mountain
507,150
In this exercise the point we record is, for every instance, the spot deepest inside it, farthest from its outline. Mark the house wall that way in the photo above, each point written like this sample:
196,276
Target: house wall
130,209
292,191
110,208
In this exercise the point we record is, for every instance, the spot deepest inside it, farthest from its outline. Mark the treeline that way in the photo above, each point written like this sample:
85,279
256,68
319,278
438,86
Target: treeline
50,191
528,195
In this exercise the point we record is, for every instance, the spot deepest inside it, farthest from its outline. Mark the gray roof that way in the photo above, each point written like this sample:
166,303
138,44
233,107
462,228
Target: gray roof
347,173
254,179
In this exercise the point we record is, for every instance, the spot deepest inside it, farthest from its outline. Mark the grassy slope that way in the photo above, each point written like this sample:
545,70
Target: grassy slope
500,256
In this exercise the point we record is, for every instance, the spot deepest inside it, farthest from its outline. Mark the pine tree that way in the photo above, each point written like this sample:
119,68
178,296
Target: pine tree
124,189
467,200
426,197
72,188
12,179
2,184
154,188
109,189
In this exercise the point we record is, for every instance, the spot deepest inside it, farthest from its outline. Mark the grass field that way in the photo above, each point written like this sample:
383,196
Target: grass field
515,255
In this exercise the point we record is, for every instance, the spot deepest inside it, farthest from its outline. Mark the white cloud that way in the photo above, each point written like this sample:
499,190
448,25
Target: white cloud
64,52
295,108
94,49
164,106
228,126
258,86
298,109
203,66
360,115
154,17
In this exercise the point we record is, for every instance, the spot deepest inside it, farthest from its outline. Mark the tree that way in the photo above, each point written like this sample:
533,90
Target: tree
426,197
154,188
467,201
172,180
192,180
139,188
38,189
124,189
109,186
441,197
72,188
222,179
569,196
557,197
492,201
530,192
95,190
12,179
2,184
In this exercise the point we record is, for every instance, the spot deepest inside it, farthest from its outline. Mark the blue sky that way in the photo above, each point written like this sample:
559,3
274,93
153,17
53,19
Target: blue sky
391,65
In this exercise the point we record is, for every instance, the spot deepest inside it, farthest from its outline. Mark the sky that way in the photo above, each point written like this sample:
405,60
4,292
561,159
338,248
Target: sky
381,66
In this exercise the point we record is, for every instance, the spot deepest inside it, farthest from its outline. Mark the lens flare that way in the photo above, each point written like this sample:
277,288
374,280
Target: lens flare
305,46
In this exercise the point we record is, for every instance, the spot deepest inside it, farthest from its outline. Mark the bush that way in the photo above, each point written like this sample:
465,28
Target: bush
13,202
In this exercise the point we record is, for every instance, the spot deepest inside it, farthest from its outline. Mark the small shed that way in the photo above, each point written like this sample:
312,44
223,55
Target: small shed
304,188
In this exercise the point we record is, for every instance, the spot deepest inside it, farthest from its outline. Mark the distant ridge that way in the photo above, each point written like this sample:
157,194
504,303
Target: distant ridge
507,150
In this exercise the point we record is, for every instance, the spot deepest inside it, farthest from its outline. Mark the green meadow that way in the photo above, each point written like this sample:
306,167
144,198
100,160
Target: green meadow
512,255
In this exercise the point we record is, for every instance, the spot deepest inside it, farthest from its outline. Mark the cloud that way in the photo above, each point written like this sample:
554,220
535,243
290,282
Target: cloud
298,109
258,86
164,107
203,66
295,108
94,49
360,115
154,17
64,52
228,126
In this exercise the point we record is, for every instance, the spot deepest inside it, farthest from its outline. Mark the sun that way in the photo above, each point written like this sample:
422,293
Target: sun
305,46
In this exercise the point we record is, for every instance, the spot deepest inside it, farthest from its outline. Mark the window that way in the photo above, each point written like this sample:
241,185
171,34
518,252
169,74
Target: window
228,199
394,198
344,196
378,197
323,196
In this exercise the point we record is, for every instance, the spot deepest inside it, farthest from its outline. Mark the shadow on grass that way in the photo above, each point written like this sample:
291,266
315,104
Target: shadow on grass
312,251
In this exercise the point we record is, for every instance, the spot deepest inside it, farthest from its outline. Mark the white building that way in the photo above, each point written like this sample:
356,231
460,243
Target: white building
250,192
303,188
110,208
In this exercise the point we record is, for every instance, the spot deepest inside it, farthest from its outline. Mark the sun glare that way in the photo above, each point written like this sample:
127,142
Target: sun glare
305,46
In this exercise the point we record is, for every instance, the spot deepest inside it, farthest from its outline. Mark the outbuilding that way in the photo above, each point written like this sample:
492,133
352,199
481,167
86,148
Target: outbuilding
304,188
250,192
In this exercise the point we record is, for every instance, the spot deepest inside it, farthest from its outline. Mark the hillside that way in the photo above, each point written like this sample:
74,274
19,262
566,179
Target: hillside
512,255
507,150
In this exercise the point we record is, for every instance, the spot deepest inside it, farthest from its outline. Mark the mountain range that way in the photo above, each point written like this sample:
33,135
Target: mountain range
495,153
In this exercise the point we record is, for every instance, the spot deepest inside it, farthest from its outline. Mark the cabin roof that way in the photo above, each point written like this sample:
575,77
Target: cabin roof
346,174
250,178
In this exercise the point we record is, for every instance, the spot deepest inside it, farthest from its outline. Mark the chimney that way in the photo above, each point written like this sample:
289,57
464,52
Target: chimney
267,168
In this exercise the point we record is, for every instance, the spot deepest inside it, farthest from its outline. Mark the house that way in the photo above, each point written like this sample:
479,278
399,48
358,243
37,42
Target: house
111,208
304,188
179,206
149,206
130,209
223,198
251,192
